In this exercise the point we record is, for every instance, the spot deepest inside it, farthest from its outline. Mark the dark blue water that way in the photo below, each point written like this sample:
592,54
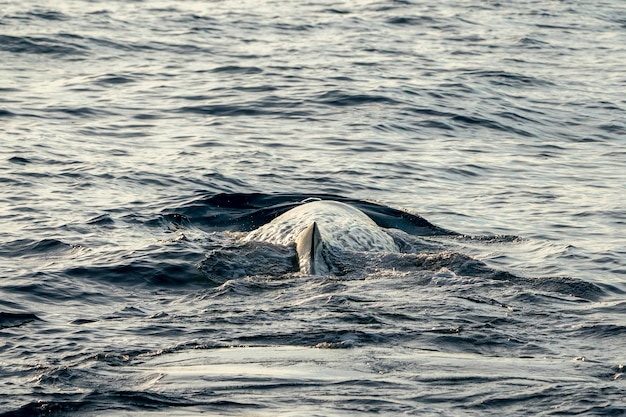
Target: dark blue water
143,140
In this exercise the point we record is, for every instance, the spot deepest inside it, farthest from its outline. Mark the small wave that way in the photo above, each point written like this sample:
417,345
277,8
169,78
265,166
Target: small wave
139,272
49,15
19,160
349,338
601,331
114,79
79,322
466,120
343,99
255,88
270,105
410,20
30,247
234,69
78,111
81,403
39,45
125,46
508,79
101,220
125,401
16,319
532,43
566,286
336,11
225,110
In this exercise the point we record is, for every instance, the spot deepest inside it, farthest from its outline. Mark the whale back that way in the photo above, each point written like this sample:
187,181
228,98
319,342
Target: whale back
327,225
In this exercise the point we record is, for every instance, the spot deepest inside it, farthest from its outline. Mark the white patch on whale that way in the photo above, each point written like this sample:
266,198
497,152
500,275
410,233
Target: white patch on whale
319,227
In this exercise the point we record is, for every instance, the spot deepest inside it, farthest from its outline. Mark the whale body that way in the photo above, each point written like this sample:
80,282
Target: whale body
322,227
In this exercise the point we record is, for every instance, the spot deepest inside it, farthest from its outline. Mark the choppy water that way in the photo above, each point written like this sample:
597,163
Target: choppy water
142,139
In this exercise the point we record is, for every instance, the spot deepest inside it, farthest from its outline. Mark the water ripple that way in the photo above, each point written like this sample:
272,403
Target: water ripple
39,45
142,141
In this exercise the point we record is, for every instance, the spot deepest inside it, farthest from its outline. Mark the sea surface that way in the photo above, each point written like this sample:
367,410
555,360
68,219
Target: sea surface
142,140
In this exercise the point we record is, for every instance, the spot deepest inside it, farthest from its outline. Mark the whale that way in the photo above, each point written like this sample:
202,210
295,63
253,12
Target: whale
321,228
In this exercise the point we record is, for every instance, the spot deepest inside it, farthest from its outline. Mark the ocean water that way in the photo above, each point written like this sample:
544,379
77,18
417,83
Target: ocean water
142,140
